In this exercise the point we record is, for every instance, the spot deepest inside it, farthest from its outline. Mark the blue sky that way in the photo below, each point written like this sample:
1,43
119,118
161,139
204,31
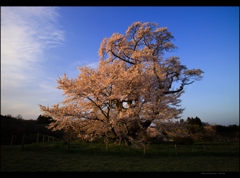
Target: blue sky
40,44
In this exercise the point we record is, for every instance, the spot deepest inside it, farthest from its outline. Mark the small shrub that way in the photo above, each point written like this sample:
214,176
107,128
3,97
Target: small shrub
183,140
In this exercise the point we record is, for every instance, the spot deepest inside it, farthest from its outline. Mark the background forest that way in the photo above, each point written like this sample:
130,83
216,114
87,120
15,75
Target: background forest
196,131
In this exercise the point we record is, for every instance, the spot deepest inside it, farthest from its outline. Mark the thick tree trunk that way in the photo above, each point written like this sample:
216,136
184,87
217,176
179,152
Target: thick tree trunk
106,146
68,146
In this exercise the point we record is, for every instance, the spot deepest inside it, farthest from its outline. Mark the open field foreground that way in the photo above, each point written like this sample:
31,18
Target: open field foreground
92,157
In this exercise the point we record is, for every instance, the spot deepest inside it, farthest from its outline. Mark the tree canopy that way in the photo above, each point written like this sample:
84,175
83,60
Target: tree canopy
132,88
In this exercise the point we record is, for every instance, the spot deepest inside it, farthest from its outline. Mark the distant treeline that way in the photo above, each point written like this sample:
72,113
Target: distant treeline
17,127
227,129
218,128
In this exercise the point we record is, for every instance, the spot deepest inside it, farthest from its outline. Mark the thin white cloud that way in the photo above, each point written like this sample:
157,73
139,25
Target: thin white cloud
72,68
26,33
93,65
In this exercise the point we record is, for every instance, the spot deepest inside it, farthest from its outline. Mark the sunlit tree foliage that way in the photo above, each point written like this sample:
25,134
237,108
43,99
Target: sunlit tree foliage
132,88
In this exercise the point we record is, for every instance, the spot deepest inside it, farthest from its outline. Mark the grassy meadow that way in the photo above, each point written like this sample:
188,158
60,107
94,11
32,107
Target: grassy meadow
217,157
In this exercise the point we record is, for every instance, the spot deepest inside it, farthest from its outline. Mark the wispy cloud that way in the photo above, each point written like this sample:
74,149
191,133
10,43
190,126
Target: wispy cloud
72,67
26,33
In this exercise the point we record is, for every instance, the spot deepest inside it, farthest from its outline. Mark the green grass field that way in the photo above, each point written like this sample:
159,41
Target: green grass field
92,157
